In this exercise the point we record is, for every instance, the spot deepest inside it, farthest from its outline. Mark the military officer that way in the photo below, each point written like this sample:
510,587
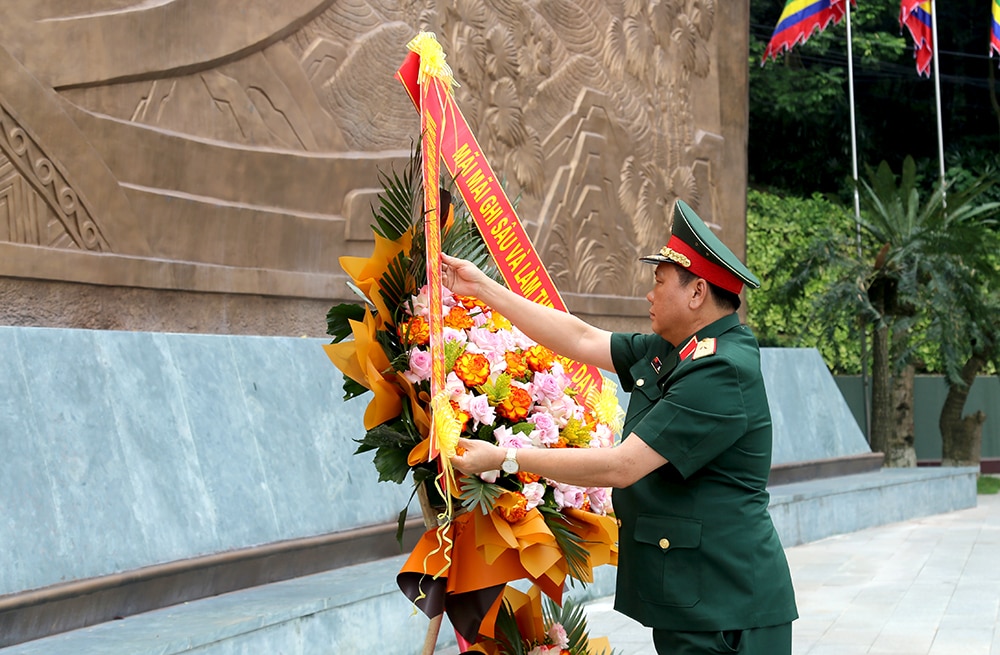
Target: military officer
699,559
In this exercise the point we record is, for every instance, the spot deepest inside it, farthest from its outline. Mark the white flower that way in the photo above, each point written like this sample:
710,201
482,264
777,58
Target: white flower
534,492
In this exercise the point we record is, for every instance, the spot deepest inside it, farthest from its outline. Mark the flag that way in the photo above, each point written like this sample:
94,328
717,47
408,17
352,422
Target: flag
995,29
916,16
799,19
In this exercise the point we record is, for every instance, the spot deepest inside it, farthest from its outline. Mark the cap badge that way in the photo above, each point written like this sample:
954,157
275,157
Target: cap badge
705,348
675,256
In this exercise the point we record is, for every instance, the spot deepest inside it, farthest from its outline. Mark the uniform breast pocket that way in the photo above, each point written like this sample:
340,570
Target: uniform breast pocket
645,384
667,548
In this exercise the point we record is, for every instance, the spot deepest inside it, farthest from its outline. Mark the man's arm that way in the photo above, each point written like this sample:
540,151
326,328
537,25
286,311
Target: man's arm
559,331
618,467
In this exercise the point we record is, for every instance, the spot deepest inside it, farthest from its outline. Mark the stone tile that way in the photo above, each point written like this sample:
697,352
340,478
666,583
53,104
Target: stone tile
962,641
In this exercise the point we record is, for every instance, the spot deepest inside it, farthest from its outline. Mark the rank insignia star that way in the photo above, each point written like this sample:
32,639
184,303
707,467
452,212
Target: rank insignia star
705,348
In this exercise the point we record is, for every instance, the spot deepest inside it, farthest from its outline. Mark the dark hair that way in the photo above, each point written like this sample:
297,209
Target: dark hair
724,299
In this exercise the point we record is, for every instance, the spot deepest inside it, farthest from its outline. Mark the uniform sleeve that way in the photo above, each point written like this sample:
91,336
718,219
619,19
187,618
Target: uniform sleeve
701,415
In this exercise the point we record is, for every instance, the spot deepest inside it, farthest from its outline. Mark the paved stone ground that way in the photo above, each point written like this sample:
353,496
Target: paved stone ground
928,586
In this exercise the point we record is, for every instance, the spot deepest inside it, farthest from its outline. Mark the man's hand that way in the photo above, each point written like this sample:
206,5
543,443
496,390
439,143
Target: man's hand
475,456
462,277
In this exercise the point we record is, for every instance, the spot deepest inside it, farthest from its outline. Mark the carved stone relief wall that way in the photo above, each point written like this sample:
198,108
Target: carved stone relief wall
223,153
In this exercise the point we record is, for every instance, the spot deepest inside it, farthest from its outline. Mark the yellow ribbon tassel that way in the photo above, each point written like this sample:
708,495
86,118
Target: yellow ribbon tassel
432,59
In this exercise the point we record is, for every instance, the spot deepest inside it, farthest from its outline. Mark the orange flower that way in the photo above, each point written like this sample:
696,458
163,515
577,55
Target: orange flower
540,358
415,332
516,405
470,302
517,365
527,478
472,368
462,415
458,318
513,506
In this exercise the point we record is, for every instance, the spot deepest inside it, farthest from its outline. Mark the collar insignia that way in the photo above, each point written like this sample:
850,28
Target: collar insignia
688,348
656,364
705,348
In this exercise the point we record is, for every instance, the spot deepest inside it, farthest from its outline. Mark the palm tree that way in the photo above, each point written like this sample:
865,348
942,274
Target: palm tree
935,270
922,272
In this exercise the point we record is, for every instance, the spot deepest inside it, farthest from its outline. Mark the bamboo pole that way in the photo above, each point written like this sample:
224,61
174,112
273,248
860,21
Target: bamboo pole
430,521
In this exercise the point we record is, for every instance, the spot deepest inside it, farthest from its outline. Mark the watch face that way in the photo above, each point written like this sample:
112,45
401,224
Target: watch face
509,466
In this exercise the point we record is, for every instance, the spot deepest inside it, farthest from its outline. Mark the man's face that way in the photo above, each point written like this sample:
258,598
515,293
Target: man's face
668,302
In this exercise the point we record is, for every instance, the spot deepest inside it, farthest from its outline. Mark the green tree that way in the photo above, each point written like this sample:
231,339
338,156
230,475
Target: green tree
922,278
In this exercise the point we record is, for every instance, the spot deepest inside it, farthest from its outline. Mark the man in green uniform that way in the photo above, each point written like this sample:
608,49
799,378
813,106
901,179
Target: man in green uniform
699,559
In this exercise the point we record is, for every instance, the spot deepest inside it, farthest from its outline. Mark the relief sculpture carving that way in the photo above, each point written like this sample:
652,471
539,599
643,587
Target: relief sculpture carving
238,163
41,206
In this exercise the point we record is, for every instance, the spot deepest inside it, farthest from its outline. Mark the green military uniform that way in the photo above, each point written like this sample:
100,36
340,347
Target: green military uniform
698,551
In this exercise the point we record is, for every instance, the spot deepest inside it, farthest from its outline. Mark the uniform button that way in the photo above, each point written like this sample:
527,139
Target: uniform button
664,543
640,382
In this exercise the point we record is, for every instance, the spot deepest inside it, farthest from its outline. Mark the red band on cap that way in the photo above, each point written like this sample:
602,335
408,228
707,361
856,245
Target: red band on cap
706,269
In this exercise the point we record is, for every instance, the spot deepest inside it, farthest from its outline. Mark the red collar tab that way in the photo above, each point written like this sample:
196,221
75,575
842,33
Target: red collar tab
688,348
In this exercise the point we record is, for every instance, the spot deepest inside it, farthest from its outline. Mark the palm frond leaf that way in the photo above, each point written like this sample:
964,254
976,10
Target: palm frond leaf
570,543
400,203
573,620
478,494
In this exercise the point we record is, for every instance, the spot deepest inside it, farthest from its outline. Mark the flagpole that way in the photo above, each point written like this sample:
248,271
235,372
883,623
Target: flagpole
937,92
857,211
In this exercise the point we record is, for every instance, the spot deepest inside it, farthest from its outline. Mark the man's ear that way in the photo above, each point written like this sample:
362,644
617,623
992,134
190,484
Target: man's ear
697,291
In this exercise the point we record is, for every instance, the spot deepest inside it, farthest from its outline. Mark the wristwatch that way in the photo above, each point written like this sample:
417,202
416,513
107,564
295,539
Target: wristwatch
510,462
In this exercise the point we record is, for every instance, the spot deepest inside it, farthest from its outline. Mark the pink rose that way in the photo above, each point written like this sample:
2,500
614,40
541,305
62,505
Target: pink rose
545,387
600,500
546,431
420,366
602,437
480,410
567,495
507,438
557,635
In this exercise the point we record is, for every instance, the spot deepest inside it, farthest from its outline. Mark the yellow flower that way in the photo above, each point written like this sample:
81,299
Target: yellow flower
512,506
498,322
575,434
605,406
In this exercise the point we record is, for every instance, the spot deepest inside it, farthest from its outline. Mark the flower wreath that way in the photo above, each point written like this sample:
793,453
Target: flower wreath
503,388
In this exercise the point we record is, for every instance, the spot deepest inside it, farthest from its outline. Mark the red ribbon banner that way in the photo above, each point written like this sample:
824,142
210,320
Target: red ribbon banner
494,215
